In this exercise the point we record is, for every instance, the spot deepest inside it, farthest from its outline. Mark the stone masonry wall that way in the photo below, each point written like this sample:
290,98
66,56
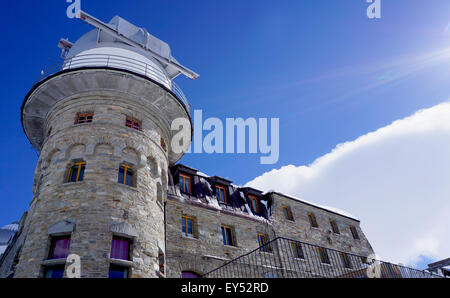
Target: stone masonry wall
206,251
98,201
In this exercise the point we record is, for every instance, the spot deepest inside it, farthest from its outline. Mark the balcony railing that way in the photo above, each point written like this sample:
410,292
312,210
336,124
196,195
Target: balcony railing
288,258
115,61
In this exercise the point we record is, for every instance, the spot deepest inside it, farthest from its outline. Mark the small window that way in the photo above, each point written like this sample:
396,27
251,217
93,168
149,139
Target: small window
227,236
84,118
354,232
221,193
76,172
323,255
120,248
334,226
346,260
254,204
126,175
54,271
187,226
189,274
185,184
288,213
312,220
59,247
133,123
116,271
263,241
297,250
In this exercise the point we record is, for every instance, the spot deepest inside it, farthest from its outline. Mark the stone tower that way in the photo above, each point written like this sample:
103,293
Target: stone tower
102,125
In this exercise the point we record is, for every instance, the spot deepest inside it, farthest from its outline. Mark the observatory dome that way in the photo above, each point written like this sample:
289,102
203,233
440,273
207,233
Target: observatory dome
100,48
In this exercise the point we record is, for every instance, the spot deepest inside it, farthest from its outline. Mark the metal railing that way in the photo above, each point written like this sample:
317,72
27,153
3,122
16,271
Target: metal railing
288,258
116,61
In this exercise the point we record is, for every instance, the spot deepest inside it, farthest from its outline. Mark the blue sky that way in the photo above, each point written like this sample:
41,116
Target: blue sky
327,71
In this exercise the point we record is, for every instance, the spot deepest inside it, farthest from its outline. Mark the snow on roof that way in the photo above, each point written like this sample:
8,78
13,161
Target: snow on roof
11,227
201,174
328,208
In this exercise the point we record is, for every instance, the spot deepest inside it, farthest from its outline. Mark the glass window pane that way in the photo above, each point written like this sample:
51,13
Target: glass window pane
54,272
229,238
187,185
121,172
183,225
82,173
118,272
190,228
60,249
129,180
73,174
188,274
223,236
120,248
181,184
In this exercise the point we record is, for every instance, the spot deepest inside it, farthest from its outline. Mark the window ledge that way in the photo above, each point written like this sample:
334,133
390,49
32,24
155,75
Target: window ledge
134,188
68,184
50,262
82,124
190,238
120,262
231,246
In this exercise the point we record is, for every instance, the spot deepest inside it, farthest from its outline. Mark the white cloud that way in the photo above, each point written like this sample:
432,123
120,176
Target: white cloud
396,180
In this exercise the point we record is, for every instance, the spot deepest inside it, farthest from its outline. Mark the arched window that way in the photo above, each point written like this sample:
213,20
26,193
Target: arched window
126,175
189,274
76,172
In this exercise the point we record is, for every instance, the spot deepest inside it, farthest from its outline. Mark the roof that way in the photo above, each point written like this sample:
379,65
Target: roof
326,208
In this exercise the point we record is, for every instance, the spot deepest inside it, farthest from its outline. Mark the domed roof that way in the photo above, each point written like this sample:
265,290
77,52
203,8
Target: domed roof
119,35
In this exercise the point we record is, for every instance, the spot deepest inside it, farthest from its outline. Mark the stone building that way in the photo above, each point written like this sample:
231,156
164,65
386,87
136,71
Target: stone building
107,188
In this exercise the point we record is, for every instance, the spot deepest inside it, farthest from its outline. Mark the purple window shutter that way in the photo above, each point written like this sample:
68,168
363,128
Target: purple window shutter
120,248
61,248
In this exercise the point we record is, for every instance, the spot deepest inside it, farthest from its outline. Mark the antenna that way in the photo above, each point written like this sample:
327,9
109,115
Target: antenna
116,34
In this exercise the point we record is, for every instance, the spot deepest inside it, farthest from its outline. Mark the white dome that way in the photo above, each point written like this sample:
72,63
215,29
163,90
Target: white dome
94,50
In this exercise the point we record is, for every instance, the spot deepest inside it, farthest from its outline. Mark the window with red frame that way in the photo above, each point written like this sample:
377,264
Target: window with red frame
59,247
185,184
84,118
133,123
221,193
254,204
120,248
